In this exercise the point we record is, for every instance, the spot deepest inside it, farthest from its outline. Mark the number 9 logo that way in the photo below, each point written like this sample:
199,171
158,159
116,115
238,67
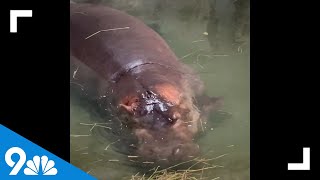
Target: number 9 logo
16,165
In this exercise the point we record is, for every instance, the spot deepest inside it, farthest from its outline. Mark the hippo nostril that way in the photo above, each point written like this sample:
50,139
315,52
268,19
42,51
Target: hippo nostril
174,118
171,121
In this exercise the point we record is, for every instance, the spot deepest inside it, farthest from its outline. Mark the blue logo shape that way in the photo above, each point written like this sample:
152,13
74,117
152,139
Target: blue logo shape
22,159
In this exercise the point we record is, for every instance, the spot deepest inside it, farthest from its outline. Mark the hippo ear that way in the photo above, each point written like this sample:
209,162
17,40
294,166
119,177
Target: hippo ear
129,104
126,108
209,104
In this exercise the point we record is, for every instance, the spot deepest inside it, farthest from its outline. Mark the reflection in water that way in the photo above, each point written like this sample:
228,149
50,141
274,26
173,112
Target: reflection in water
205,37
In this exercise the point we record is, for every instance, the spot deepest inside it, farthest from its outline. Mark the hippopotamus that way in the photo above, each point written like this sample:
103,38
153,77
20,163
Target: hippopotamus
115,57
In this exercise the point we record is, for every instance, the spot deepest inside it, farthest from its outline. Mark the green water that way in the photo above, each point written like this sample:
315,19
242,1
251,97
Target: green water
225,73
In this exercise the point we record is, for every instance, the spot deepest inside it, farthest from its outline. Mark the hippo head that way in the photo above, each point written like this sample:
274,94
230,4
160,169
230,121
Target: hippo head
164,121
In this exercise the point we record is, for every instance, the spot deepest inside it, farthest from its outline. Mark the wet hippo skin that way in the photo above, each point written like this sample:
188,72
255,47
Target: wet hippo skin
117,58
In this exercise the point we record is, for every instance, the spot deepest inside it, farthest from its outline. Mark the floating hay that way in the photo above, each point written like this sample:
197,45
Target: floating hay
133,156
96,125
83,13
230,146
166,175
201,40
94,162
82,149
79,135
105,30
185,174
88,172
75,73
81,86
147,162
111,144
192,53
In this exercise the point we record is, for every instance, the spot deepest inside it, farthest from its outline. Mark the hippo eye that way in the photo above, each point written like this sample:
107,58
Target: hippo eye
172,120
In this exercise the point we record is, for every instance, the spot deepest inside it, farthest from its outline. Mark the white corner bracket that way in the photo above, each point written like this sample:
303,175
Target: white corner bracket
14,14
305,165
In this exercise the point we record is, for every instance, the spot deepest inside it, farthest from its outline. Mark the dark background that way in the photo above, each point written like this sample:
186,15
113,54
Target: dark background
284,90
34,84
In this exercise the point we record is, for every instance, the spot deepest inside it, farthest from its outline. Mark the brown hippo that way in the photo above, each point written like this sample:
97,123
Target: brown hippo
160,100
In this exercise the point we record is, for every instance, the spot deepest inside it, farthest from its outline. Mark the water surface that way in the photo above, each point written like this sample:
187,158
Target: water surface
225,73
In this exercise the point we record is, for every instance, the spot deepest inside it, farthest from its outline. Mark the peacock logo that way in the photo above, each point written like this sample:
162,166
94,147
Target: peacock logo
23,159
47,166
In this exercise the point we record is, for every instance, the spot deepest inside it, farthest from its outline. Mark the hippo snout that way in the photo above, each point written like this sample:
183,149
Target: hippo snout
171,144
169,153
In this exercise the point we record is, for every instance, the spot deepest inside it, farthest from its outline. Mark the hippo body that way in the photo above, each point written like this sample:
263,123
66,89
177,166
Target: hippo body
117,59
